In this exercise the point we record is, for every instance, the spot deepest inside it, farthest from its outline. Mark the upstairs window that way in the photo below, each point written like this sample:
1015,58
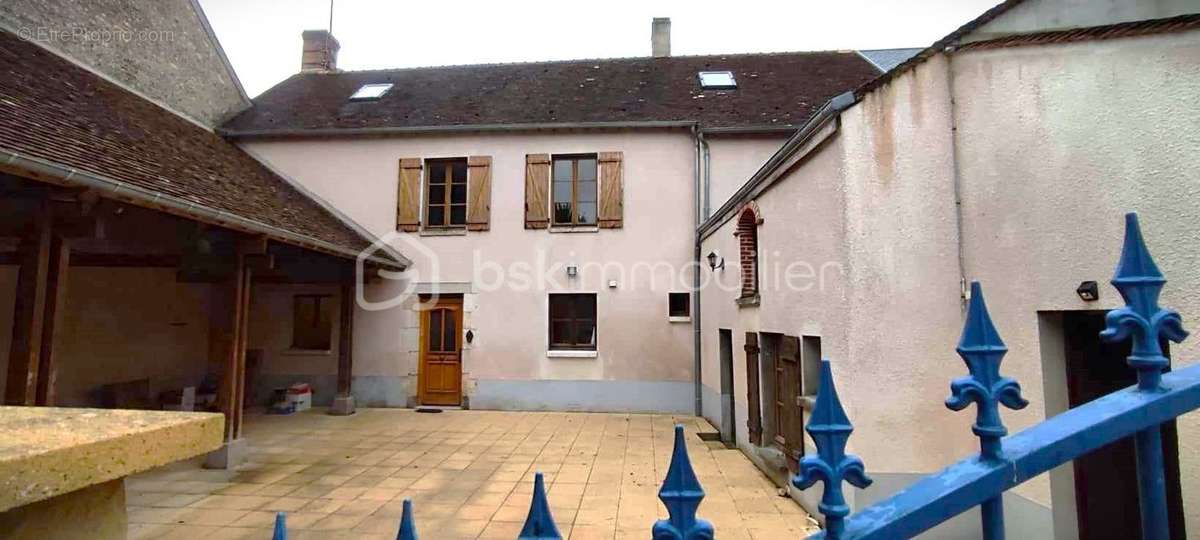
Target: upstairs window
679,305
747,233
717,80
312,322
370,92
574,190
572,322
446,193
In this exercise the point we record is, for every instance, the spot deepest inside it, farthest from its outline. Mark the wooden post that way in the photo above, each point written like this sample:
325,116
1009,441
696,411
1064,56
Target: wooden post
56,299
29,312
343,403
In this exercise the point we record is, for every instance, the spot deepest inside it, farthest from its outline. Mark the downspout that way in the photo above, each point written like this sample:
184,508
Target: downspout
707,178
957,178
697,365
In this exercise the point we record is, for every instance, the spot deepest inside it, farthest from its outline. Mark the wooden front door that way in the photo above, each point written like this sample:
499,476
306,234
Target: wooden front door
1106,493
440,375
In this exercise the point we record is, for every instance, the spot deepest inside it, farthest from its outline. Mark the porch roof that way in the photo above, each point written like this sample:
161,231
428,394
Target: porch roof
72,126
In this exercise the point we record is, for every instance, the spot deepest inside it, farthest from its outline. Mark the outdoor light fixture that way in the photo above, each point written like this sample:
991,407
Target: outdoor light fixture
712,261
1088,291
572,270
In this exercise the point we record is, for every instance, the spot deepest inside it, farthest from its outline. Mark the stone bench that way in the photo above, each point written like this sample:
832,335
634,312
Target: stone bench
62,470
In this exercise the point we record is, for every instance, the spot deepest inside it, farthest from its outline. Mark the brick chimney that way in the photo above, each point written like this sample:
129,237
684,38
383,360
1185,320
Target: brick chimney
660,37
320,51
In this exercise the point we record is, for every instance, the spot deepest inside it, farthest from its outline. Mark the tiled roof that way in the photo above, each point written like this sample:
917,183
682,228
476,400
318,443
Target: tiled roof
57,112
775,89
1093,33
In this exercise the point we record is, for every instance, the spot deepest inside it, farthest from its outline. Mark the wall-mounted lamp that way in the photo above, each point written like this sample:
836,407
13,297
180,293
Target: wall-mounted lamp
572,270
713,261
1088,291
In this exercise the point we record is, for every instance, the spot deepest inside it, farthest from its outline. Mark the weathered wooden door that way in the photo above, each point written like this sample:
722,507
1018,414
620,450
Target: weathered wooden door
753,401
790,435
440,375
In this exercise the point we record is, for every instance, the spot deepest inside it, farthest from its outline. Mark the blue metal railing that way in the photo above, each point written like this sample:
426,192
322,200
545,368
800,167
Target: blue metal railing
1002,463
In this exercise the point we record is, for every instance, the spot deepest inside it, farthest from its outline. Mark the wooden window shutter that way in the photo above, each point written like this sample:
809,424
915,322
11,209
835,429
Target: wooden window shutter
479,192
537,187
753,401
612,203
408,201
791,425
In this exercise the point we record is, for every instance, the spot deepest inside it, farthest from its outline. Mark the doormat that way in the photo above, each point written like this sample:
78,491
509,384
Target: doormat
428,410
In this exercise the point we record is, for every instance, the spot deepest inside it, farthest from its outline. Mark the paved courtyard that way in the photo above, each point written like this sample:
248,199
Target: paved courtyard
469,474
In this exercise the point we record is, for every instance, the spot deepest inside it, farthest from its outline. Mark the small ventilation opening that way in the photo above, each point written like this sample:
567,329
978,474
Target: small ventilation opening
371,92
717,80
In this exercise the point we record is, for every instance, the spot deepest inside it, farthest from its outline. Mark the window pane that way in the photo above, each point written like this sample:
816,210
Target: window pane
437,173
562,212
586,213
585,306
437,215
562,192
562,170
451,336
435,330
437,193
560,332
679,304
587,169
585,332
459,169
458,214
458,194
560,306
586,191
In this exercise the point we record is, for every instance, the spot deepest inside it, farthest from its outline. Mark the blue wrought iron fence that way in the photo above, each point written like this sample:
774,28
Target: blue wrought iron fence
1001,464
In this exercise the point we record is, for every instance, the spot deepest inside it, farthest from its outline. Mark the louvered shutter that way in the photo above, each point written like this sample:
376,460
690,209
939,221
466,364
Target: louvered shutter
479,192
537,185
408,201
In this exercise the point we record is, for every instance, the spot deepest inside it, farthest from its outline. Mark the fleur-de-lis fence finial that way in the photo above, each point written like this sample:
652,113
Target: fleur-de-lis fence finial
539,524
408,528
681,494
830,429
1140,282
982,349
280,527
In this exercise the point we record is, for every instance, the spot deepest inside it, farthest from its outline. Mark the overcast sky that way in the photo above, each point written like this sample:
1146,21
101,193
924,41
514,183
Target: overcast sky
262,37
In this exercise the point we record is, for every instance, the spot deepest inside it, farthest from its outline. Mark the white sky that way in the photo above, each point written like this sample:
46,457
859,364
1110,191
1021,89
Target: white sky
262,37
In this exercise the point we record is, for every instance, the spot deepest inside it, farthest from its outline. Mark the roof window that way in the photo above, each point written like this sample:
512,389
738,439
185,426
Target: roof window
371,92
717,79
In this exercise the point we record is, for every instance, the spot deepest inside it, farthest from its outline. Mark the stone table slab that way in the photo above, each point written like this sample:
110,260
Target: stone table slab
49,451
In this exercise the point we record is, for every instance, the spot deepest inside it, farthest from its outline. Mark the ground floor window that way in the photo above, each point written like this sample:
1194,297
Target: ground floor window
312,322
573,322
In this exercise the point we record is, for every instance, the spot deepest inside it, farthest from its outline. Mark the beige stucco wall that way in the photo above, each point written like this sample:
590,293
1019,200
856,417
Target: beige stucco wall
635,339
1107,127
271,330
733,159
130,323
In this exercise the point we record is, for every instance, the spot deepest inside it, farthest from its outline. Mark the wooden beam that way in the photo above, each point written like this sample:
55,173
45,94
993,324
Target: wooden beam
346,340
123,260
29,313
56,300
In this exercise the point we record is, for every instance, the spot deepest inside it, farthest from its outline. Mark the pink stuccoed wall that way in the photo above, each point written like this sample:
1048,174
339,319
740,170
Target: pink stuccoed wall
648,258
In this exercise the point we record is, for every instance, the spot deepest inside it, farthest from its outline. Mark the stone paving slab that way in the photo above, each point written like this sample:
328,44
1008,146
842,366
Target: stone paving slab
469,474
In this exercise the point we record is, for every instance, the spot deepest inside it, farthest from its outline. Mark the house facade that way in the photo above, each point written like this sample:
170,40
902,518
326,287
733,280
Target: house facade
563,195
1007,154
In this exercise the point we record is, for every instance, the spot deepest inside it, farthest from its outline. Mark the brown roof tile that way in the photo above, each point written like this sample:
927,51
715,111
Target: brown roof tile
55,111
776,89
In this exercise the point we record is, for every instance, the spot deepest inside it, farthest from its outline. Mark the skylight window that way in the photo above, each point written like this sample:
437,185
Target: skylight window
369,92
717,79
